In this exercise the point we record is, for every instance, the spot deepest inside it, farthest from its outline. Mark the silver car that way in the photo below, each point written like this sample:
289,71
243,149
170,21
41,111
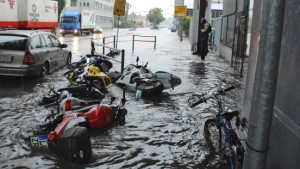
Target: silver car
31,53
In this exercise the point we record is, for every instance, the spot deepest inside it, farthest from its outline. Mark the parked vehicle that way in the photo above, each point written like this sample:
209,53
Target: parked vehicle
29,14
77,22
31,53
173,28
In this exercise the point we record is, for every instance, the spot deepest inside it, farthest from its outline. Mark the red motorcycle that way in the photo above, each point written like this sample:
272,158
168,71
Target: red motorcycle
67,134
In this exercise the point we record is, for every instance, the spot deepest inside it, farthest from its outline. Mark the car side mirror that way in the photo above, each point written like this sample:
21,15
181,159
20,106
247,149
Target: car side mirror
63,46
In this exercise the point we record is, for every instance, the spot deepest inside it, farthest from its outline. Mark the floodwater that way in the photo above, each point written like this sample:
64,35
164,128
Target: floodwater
160,132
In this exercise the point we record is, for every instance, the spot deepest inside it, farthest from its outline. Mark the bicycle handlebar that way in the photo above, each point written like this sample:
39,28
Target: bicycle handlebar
203,99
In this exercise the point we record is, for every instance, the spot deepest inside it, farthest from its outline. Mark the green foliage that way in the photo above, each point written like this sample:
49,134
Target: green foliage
61,4
186,24
155,16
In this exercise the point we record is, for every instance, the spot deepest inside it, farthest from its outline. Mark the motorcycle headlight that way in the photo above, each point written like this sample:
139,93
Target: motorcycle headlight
75,31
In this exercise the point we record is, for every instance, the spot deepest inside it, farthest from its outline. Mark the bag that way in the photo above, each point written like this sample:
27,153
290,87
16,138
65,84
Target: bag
209,29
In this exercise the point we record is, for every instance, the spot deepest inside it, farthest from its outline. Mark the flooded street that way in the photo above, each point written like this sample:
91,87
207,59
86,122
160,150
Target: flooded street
160,132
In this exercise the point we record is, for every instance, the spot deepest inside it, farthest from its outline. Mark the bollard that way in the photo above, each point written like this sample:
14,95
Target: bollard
133,43
123,60
114,41
93,47
154,42
103,48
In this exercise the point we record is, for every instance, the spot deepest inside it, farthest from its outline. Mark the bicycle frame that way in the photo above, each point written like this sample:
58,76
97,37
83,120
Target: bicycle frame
223,123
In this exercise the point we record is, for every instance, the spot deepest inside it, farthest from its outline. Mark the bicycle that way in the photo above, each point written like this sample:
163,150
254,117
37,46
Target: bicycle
222,123
211,46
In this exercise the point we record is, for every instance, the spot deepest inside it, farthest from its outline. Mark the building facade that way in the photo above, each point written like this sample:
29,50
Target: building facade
103,8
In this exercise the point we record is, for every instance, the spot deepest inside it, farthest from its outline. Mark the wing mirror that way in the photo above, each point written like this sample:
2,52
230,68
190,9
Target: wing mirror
63,46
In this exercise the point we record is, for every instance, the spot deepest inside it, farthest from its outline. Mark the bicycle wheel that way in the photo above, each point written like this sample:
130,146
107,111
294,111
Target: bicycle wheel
194,48
213,47
214,142
211,135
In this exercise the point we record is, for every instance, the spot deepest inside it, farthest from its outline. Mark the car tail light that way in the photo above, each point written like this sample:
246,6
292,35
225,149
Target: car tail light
28,59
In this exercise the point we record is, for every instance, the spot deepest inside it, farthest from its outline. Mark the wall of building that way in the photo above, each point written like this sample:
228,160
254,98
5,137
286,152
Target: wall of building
285,134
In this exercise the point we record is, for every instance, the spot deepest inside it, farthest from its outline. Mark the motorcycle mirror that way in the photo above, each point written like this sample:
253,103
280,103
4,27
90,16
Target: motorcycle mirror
112,99
146,65
137,60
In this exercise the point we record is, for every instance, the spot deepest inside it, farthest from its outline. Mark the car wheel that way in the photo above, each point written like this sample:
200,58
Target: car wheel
45,70
69,58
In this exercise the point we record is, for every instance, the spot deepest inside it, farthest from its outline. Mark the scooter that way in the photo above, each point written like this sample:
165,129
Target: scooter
140,79
67,133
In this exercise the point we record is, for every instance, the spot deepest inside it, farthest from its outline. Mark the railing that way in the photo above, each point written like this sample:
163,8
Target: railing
140,40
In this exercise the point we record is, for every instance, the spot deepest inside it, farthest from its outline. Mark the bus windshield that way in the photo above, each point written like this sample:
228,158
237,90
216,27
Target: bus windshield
68,20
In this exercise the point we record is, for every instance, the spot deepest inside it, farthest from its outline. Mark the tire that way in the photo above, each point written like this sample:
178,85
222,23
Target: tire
194,48
45,70
69,59
211,135
212,48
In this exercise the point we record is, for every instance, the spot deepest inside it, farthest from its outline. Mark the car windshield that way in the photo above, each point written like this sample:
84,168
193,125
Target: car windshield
68,19
13,42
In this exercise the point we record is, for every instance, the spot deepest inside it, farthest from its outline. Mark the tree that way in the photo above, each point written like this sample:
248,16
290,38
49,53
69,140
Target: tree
186,25
155,16
61,4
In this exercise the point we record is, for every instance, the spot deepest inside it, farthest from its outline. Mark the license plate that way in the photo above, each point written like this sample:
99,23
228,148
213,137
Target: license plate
6,59
39,141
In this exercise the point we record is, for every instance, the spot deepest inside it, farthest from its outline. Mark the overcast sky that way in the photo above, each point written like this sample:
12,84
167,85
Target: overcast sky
143,6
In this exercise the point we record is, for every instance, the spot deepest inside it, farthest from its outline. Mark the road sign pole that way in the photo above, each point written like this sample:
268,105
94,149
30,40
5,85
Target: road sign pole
181,29
118,32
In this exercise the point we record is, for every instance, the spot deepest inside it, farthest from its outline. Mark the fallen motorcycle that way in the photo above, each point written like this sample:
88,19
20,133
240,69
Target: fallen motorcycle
89,75
101,62
140,79
67,133
53,97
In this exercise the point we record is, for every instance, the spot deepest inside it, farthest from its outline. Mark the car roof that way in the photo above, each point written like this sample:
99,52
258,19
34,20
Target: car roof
20,32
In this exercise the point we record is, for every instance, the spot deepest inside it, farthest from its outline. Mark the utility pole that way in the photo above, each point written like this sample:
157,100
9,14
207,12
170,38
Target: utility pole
260,121
201,15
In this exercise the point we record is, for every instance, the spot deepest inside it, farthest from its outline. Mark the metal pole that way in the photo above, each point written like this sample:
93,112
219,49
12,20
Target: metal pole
118,31
122,60
154,42
114,41
181,29
103,48
132,42
92,47
260,121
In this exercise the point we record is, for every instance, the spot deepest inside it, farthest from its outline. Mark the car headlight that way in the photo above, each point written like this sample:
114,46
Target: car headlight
75,31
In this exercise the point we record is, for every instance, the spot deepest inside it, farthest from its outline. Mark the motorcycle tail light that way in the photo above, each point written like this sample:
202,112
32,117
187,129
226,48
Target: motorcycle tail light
52,136
68,105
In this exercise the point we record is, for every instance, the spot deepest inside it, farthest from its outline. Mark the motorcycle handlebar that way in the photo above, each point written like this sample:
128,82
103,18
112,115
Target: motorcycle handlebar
203,99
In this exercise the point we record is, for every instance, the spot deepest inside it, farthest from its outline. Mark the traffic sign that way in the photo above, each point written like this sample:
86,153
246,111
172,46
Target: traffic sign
119,8
180,11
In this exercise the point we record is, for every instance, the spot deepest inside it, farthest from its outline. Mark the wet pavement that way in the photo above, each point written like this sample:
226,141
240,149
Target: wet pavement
160,132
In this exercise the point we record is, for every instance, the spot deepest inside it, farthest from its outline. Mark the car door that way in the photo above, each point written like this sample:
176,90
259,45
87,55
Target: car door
37,51
51,51
60,53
